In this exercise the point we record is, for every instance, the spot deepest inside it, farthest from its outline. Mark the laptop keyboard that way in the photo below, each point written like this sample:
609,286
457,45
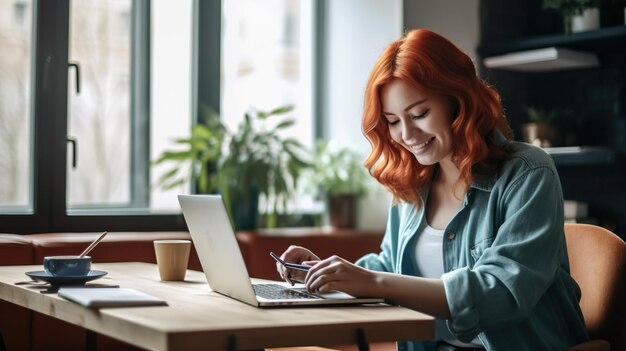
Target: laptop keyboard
279,292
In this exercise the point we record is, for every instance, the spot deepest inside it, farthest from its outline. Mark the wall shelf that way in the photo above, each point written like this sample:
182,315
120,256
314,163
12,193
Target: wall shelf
602,41
542,60
581,155
593,173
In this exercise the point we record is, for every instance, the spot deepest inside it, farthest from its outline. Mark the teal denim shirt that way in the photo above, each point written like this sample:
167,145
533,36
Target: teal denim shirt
506,269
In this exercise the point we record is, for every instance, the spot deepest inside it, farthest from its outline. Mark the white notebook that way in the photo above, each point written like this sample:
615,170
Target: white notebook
110,297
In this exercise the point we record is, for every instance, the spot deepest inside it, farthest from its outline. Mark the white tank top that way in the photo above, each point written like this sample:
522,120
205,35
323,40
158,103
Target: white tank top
429,261
429,252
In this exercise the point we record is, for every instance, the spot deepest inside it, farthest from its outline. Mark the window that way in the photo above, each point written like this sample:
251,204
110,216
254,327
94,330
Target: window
171,110
266,61
91,156
16,137
84,116
99,116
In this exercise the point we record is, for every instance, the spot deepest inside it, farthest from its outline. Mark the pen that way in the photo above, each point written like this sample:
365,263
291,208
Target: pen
301,267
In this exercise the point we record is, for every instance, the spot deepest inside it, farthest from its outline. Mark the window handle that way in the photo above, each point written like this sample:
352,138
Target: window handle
77,68
74,143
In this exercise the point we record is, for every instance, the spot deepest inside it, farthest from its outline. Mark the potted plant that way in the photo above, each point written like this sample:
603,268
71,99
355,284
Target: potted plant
338,175
260,162
578,15
198,157
254,161
542,128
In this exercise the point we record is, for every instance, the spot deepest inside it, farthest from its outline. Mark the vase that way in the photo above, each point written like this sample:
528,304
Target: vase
244,208
342,210
588,20
541,134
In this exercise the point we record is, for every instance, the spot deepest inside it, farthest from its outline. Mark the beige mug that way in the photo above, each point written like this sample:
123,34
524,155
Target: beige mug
172,257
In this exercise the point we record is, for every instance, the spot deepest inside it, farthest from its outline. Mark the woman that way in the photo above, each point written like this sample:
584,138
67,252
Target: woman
475,233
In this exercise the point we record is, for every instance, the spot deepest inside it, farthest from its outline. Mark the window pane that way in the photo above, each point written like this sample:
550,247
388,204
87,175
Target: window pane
99,116
15,112
170,90
266,61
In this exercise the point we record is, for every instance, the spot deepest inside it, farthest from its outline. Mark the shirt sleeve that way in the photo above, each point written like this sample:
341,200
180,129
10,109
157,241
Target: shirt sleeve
515,271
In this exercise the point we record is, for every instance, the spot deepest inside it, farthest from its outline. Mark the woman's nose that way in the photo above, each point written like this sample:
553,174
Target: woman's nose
409,131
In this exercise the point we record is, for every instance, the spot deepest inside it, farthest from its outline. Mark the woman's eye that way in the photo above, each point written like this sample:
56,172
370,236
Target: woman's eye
421,115
391,123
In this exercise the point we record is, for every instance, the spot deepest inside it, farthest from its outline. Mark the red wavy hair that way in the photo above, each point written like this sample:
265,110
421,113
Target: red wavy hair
430,62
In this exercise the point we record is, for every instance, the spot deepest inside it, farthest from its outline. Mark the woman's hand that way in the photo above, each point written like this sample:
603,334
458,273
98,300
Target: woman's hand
336,273
299,255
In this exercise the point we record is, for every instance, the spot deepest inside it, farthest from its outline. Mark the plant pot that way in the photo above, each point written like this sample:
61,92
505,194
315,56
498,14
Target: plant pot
244,209
342,210
541,134
588,20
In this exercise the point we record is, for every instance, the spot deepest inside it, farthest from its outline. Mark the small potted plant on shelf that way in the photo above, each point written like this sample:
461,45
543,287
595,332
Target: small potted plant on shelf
578,15
254,161
542,128
339,176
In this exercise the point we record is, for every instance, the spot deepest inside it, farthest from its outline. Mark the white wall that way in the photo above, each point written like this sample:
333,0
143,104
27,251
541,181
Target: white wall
357,32
456,20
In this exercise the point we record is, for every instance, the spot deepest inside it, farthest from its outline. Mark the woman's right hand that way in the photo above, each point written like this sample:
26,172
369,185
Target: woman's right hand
299,255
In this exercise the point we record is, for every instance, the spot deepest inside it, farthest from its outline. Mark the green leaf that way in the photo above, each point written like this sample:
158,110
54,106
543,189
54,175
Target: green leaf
281,110
296,160
203,180
167,176
174,156
200,131
174,184
285,124
183,141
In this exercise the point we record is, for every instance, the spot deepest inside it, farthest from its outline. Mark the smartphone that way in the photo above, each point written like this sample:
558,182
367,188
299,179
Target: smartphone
301,267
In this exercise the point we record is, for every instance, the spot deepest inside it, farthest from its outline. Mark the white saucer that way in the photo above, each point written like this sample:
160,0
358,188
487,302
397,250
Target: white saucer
65,280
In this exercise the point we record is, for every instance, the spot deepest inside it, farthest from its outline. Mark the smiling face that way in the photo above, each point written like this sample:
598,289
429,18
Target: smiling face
420,122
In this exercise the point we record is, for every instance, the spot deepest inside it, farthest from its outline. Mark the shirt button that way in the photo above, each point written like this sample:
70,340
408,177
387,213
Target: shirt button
451,235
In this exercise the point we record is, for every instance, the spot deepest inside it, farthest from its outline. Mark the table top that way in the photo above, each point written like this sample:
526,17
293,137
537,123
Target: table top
196,317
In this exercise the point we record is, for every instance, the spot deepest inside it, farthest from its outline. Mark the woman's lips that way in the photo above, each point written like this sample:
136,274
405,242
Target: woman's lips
420,147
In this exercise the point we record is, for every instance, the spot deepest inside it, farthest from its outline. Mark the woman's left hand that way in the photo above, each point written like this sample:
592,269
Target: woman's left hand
336,273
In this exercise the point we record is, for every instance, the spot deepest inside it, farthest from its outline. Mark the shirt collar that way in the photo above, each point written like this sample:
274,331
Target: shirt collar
485,183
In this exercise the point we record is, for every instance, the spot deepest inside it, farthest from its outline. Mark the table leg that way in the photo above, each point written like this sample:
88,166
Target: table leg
362,343
91,340
2,346
232,343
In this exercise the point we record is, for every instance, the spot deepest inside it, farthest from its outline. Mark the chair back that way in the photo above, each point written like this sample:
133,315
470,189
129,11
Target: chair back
597,260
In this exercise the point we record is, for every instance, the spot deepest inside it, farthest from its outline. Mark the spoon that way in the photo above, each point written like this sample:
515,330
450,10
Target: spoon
92,245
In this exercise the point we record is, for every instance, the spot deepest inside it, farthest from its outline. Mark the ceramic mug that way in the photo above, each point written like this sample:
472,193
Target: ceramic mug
172,257
67,265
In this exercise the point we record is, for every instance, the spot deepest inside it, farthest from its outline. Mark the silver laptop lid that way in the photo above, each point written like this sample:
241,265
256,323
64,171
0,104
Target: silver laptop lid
223,264
216,245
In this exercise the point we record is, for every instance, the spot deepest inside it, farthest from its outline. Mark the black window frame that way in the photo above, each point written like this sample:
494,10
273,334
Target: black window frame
49,113
49,103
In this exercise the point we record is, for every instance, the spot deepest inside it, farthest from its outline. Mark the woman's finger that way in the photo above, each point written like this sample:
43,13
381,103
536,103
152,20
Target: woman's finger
326,282
323,264
297,254
322,273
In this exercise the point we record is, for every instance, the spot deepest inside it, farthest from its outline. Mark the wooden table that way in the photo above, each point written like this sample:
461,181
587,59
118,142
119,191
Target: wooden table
198,318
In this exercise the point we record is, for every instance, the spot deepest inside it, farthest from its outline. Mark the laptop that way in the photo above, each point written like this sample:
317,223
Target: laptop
214,239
